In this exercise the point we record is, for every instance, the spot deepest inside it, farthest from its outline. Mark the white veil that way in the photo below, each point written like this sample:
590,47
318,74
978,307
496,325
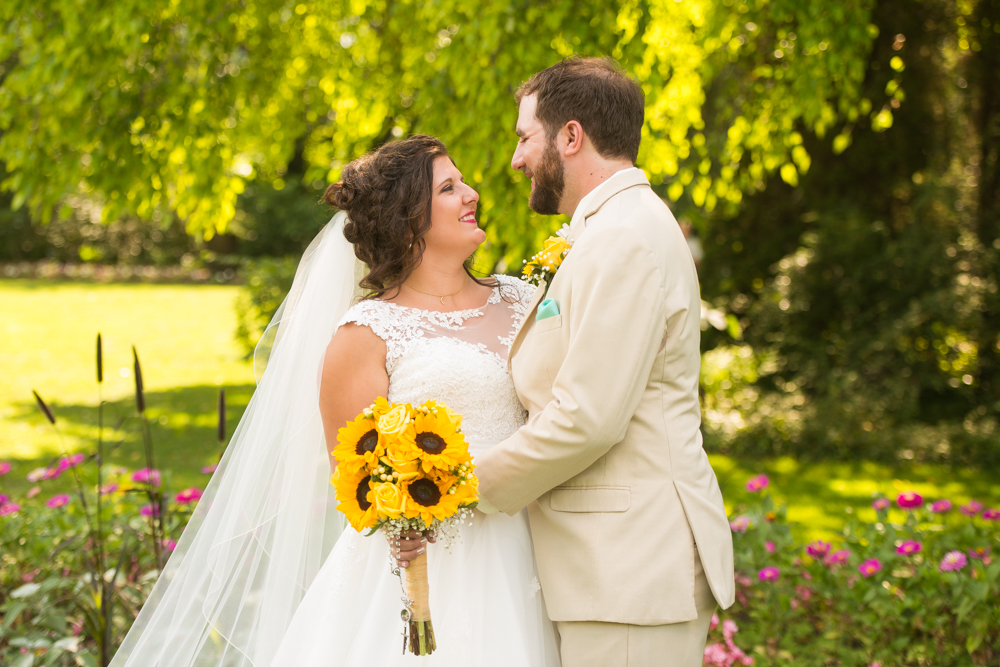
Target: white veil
267,519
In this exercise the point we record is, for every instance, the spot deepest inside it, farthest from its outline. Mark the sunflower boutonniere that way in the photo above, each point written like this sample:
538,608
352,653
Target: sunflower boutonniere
543,265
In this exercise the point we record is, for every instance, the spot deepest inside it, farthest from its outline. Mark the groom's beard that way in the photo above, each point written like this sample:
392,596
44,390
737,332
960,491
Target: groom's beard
549,183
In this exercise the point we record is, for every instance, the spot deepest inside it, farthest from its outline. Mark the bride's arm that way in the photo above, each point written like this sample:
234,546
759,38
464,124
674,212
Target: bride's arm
353,377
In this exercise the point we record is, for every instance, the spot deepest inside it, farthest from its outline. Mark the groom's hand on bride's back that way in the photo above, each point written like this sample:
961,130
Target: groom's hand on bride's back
409,545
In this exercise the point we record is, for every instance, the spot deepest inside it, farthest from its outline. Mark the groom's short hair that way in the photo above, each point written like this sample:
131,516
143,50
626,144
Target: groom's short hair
598,94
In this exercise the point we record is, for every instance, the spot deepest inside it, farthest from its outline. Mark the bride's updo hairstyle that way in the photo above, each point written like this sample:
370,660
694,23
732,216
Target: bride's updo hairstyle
387,196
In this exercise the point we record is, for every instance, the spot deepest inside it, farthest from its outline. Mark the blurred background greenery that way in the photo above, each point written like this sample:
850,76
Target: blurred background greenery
839,163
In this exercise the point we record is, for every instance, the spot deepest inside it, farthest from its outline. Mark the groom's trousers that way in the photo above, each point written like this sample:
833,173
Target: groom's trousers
597,644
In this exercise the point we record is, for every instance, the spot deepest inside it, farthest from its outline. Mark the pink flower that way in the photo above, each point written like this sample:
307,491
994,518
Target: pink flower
716,655
941,506
979,553
52,473
837,558
67,462
4,468
769,545
953,561
869,567
972,509
991,514
188,496
818,549
875,664
909,500
109,488
714,623
881,504
38,474
9,508
740,524
908,548
169,545
757,483
147,476
728,653
33,491
208,470
149,510
60,500
769,574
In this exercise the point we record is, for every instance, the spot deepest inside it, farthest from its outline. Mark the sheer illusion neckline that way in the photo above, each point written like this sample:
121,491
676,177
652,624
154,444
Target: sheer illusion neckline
493,298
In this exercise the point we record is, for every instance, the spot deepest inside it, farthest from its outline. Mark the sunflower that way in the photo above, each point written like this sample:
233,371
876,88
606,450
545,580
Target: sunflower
437,442
354,497
428,499
380,407
359,445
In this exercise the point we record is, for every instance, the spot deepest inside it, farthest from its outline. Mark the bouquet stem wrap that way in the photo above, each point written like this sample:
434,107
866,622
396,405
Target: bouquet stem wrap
421,632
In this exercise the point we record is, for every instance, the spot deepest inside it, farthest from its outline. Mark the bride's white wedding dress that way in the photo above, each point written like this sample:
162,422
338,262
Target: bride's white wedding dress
485,599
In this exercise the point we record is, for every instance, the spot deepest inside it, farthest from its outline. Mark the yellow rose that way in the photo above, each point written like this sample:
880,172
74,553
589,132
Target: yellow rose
552,252
395,421
404,465
389,500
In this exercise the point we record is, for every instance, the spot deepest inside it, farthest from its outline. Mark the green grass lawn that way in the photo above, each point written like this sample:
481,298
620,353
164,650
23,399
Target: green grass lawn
184,335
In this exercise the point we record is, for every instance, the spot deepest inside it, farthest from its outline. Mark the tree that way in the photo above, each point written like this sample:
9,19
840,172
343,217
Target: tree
174,105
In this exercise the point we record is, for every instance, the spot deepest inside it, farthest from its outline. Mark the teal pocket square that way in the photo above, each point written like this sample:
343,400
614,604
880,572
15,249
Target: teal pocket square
548,308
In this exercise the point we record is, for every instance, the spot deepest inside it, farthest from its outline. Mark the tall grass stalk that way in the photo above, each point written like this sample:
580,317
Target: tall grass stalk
155,495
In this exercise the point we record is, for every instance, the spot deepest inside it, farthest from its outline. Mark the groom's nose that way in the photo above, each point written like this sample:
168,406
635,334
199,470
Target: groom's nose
517,161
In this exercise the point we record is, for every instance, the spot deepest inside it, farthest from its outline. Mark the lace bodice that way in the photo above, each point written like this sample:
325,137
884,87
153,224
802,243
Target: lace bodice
457,357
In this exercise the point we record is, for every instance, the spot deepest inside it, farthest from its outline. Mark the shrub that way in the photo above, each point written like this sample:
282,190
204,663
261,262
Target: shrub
267,282
917,586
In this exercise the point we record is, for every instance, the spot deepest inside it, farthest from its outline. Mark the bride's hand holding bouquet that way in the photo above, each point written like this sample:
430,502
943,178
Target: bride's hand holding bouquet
406,470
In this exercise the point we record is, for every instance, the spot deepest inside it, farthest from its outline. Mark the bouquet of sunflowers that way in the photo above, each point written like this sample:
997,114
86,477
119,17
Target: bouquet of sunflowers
401,468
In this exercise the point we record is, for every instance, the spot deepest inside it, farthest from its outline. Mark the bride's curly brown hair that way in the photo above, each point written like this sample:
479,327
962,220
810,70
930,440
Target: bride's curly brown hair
387,196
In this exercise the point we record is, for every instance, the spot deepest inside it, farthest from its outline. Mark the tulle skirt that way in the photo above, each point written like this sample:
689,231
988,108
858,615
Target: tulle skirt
485,600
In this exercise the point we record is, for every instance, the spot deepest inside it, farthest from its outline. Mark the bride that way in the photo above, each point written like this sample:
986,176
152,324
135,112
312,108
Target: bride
254,580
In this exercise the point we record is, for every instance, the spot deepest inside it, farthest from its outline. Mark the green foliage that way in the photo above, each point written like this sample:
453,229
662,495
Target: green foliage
153,105
868,292
267,282
47,590
908,612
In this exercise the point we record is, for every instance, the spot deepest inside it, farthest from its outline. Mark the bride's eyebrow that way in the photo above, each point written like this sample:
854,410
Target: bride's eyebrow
443,183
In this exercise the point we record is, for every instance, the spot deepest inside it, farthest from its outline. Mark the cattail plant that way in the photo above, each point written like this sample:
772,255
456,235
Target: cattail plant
156,498
221,429
98,617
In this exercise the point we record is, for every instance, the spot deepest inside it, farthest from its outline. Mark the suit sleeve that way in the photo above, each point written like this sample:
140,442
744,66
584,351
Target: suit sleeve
617,324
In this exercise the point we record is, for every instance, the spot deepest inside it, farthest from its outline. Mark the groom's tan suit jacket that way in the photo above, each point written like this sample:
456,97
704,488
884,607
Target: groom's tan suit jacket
610,463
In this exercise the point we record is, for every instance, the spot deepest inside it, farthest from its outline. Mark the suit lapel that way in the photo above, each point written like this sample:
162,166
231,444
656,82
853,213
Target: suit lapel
604,192
536,299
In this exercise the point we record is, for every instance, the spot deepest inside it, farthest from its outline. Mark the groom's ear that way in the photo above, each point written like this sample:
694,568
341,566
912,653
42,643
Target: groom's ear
574,137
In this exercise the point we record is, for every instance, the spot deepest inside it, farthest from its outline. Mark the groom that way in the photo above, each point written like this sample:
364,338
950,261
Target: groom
633,545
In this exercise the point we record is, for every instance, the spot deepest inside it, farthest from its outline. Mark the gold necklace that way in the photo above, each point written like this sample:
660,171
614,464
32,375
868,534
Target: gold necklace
440,296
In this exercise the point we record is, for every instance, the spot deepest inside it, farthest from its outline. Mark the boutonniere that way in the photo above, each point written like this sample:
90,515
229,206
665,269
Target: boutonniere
543,264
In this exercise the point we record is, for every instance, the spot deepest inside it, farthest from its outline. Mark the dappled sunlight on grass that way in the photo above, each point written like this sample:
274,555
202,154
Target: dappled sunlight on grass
818,495
182,423
184,336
